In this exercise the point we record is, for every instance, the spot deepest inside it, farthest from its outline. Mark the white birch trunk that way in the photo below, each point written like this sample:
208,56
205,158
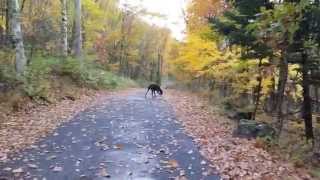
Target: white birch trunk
78,33
64,28
16,33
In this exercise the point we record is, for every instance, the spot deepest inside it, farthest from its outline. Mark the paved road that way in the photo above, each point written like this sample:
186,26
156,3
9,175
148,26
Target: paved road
127,138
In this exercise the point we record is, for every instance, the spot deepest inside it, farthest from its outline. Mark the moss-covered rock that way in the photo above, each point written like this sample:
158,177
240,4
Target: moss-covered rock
253,129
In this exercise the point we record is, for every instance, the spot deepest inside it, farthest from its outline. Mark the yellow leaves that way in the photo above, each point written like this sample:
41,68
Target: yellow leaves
197,54
199,57
99,17
93,8
294,90
94,18
199,10
55,10
2,23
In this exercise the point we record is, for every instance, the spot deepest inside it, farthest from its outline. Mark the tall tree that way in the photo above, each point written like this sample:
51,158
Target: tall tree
161,51
78,31
292,28
7,18
236,25
64,28
16,34
306,39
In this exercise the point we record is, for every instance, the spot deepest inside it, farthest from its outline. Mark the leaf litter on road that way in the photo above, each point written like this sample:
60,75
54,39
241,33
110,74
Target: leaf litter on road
22,129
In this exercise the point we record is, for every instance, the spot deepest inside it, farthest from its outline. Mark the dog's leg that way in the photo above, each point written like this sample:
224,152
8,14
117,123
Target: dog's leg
147,92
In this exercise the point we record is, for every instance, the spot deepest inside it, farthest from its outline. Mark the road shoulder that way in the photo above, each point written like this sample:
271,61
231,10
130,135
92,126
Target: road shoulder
234,158
23,129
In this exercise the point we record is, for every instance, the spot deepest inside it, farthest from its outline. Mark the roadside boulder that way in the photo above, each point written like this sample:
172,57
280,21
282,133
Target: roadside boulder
316,157
253,129
4,87
240,115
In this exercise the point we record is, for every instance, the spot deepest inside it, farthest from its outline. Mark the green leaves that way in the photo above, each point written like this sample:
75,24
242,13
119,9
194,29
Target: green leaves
239,26
35,79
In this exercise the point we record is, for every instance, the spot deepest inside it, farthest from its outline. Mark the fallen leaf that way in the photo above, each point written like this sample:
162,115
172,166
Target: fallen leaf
103,173
57,169
7,169
171,164
51,157
118,146
33,166
19,170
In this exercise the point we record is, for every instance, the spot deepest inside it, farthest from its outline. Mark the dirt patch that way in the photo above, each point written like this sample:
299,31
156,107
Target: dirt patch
22,129
234,158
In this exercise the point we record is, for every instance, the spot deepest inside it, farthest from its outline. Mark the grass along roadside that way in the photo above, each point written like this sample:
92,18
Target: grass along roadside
50,80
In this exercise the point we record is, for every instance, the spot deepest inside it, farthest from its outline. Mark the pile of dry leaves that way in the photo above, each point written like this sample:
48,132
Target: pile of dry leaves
233,158
22,129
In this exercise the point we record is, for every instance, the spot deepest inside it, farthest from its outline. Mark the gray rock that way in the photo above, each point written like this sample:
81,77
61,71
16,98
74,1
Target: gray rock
240,115
4,87
253,129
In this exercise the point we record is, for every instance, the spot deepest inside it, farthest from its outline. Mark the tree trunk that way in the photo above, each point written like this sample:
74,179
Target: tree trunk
283,75
316,91
122,44
78,34
152,71
7,18
258,90
273,95
16,34
64,28
269,104
121,58
159,68
306,104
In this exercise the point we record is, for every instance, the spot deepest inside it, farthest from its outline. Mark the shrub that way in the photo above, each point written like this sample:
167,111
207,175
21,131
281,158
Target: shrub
7,74
265,142
37,80
7,70
36,83
89,75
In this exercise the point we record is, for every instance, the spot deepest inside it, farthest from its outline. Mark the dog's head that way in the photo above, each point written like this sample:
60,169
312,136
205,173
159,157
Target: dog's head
160,91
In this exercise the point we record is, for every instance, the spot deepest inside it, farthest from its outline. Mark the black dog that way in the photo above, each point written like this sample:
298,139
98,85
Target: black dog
154,88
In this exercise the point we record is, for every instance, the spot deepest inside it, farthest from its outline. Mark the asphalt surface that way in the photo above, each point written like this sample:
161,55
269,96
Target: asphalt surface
127,138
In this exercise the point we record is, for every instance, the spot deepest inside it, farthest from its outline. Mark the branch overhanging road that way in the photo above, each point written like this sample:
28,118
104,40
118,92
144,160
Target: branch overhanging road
126,138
